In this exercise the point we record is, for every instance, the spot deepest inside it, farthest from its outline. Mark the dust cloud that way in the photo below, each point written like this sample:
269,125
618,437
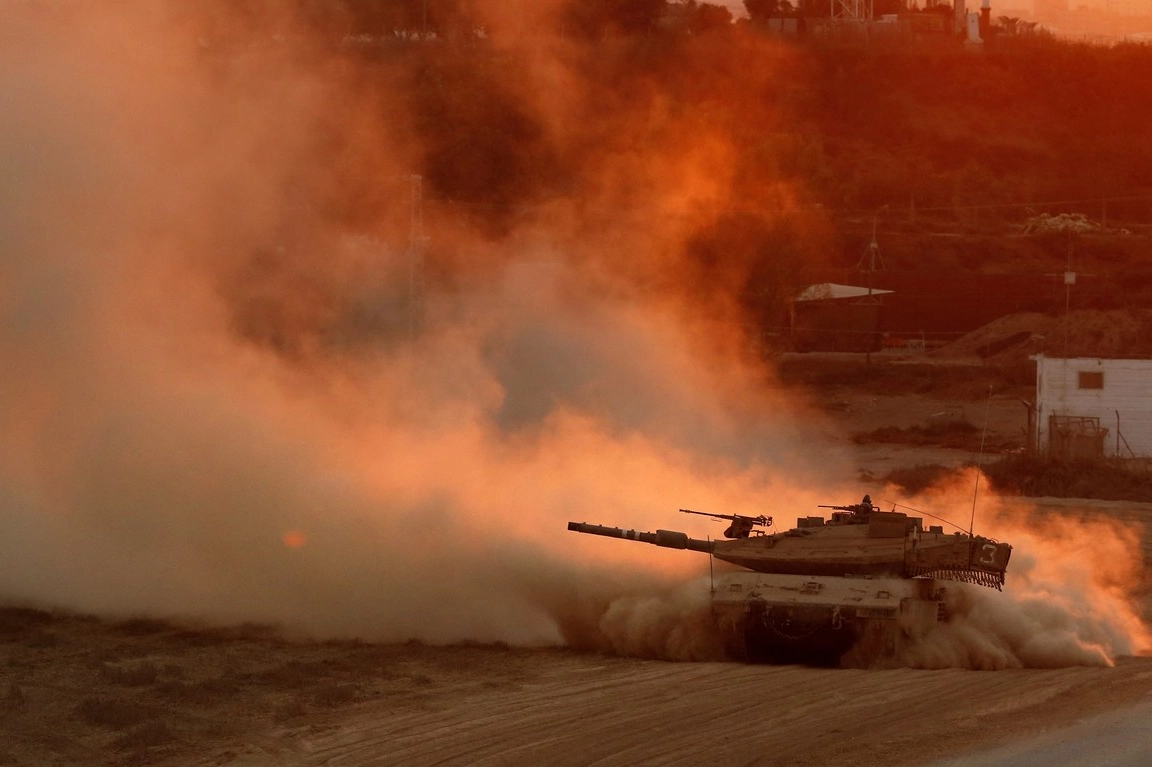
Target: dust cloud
1074,595
215,405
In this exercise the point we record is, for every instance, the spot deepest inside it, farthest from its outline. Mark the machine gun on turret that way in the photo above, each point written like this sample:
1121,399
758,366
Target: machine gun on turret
741,526
862,509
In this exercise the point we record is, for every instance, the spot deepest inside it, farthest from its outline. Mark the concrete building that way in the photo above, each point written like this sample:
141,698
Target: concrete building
1091,407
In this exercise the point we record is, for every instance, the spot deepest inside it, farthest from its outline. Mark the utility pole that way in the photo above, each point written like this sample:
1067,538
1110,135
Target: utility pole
1069,281
417,245
852,11
871,255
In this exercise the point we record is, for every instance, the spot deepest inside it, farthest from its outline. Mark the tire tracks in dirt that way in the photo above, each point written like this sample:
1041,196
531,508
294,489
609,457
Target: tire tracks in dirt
653,713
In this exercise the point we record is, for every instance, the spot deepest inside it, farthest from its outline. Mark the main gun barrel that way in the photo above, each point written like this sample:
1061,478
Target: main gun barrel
669,539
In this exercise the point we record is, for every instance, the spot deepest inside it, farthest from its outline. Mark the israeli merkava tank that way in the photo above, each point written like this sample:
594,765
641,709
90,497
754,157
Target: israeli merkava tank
854,589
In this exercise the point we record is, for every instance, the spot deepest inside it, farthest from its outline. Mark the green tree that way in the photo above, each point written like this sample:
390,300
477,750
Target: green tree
760,10
596,18
1009,24
709,16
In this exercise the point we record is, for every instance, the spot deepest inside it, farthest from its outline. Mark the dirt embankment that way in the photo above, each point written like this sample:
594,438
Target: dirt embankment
1120,333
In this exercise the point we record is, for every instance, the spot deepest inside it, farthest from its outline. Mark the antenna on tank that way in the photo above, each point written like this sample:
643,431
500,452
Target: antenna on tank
979,458
711,575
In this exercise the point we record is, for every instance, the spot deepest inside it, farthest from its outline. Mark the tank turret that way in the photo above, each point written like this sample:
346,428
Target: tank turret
859,540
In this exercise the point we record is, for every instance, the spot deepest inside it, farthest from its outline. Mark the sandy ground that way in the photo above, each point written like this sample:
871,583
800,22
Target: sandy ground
77,690
80,691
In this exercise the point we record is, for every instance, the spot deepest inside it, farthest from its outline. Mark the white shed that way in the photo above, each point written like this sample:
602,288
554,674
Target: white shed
1086,406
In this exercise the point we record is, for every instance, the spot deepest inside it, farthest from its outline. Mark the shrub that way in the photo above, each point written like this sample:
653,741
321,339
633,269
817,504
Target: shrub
1041,475
21,621
1032,475
920,477
956,435
139,627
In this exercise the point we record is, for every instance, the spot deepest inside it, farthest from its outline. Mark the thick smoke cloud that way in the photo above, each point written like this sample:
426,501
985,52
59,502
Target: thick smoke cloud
214,406
199,423
1075,591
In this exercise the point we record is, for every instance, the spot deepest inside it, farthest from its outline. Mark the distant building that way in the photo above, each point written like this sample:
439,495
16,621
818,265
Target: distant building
1091,407
833,317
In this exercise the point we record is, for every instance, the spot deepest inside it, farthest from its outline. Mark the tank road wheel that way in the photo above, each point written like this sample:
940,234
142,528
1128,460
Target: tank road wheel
733,629
736,644
810,635
878,645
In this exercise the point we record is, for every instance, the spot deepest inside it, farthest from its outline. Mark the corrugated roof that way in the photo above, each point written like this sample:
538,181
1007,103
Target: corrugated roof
830,290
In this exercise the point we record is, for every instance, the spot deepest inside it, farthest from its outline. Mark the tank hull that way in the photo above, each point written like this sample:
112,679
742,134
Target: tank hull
823,620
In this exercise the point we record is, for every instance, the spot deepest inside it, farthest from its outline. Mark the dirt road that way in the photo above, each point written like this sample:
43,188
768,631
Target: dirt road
81,691
579,710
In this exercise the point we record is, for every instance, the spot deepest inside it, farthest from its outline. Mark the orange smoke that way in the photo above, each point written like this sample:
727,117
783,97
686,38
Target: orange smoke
1075,587
294,539
204,319
217,406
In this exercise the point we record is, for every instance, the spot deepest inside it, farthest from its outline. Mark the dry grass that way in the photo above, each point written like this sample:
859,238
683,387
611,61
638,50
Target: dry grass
889,377
1041,476
21,622
135,675
951,434
152,691
1037,476
207,692
915,479
955,435
293,675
